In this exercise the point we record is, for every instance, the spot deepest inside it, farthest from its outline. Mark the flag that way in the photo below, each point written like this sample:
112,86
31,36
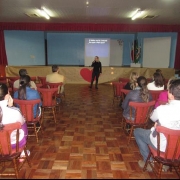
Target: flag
137,51
132,52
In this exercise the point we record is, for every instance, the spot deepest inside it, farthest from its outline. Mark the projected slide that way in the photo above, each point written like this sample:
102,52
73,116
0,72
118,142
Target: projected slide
97,47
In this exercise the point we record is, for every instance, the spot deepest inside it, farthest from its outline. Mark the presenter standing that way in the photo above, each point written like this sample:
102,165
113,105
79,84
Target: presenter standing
97,70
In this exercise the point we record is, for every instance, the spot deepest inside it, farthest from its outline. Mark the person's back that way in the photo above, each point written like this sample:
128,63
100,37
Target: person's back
55,77
157,84
140,94
27,93
23,72
12,114
165,115
168,115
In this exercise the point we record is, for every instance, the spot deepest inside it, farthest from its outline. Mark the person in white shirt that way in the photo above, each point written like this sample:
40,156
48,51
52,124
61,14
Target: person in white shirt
166,115
23,72
10,114
157,84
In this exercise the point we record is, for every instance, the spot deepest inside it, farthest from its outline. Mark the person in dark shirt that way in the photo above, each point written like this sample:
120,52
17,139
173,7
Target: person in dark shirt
139,94
97,70
132,84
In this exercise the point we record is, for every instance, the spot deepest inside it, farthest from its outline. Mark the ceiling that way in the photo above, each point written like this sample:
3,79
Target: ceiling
97,11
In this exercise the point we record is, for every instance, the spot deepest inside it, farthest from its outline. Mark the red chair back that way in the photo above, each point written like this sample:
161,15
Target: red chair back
13,78
124,80
171,156
3,80
142,110
54,85
125,91
27,107
47,96
155,94
34,79
5,145
42,79
173,143
117,87
8,154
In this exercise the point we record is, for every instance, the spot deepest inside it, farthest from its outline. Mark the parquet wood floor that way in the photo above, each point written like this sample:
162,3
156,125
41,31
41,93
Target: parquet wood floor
87,142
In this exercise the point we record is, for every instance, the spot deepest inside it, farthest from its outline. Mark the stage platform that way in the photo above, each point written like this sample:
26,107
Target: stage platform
82,75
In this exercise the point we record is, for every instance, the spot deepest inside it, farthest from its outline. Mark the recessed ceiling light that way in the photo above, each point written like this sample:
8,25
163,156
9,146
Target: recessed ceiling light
87,2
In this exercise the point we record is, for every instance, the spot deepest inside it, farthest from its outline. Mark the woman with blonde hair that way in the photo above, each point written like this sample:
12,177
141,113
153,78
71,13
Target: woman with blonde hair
132,84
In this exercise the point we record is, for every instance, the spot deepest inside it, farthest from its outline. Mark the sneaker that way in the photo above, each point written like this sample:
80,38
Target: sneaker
165,168
141,164
58,100
23,153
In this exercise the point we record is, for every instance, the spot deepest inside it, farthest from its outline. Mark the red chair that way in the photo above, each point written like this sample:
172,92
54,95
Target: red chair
48,102
171,156
34,79
124,80
155,94
142,114
13,78
42,80
117,86
33,123
124,93
149,80
11,81
3,80
57,85
9,154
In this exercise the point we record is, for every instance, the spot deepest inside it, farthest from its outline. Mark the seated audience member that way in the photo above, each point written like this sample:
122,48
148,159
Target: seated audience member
26,93
23,72
167,116
157,84
139,94
55,77
163,96
131,85
160,72
10,114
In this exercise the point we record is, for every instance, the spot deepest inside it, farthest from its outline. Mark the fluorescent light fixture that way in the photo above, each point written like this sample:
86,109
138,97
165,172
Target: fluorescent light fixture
43,12
137,14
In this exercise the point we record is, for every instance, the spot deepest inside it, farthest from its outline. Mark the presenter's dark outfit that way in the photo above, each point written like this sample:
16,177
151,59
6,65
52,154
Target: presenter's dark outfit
97,69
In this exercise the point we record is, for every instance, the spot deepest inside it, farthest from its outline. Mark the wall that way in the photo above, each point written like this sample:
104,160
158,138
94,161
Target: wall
141,36
27,47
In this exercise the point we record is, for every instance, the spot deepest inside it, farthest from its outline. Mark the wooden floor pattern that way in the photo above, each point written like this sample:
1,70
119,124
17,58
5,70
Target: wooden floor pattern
87,142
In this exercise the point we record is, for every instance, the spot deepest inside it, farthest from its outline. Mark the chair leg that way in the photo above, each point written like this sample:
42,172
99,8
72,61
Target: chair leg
35,131
54,115
42,115
147,161
16,168
130,134
177,169
159,171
